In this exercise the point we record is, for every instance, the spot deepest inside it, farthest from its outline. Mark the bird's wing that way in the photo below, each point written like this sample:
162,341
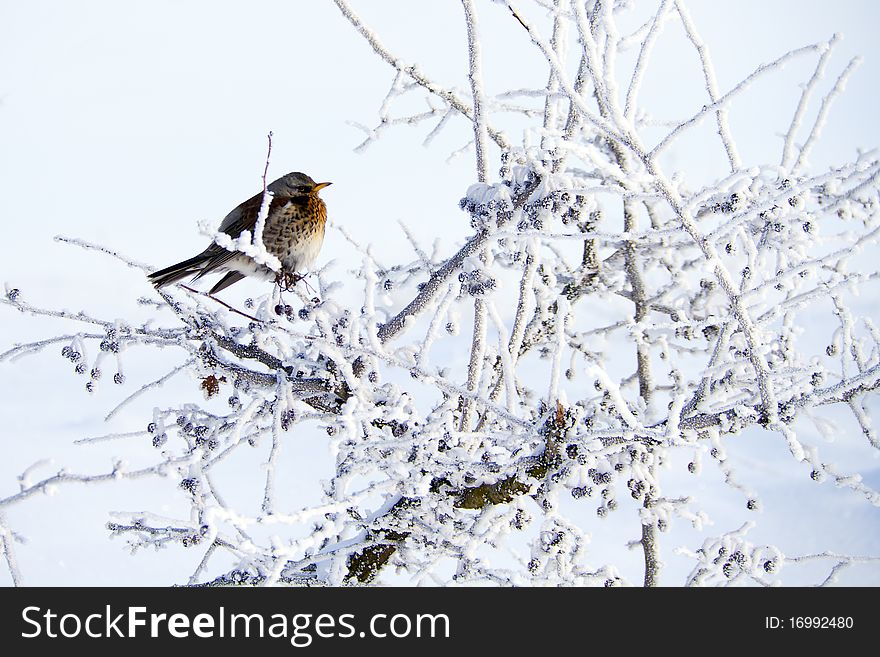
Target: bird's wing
226,281
244,217
214,256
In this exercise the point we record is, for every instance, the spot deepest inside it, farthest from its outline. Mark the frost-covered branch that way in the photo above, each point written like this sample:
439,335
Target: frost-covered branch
412,71
475,76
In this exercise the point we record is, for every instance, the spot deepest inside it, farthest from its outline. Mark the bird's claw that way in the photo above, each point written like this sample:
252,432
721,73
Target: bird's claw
287,280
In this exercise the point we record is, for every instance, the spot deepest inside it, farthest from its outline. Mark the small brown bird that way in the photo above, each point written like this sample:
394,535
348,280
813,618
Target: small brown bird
293,233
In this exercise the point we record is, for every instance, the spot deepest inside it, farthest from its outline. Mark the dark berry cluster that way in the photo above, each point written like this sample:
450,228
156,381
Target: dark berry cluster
476,282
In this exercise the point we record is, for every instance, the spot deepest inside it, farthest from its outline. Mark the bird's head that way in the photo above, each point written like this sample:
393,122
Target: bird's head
295,184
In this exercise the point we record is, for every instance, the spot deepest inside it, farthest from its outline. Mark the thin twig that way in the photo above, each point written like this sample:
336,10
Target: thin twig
268,155
414,73
221,302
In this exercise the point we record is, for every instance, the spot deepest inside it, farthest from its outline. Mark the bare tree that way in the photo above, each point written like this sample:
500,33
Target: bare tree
606,315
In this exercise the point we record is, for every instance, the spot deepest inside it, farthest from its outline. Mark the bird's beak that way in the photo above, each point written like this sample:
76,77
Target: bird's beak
320,186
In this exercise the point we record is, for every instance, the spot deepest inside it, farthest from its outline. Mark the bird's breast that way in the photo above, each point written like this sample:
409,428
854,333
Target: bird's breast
294,233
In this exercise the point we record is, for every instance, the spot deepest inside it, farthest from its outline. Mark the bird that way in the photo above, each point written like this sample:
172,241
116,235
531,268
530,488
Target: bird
293,232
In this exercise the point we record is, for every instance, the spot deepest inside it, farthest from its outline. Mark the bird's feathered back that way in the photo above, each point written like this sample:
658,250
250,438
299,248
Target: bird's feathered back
244,216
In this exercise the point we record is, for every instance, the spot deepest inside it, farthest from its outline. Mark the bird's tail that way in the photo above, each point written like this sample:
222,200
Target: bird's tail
179,271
